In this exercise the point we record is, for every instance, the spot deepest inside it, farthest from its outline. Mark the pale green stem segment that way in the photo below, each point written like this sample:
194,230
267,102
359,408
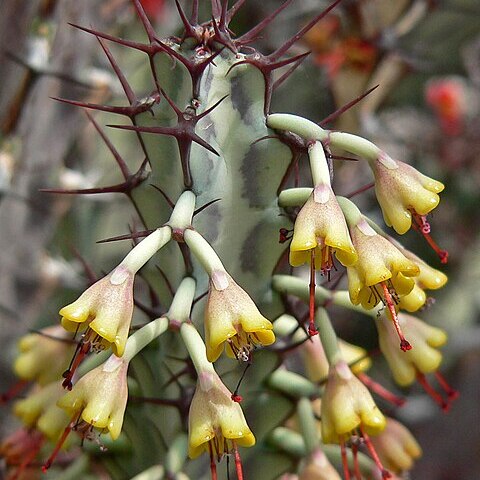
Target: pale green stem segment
350,211
318,164
286,325
292,384
141,253
181,306
311,131
141,338
308,424
196,348
176,455
203,252
156,472
328,337
296,286
294,197
93,361
292,443
181,217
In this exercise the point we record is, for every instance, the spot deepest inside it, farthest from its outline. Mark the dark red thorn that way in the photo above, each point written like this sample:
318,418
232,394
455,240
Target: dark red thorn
222,36
216,8
167,281
333,116
120,161
189,28
236,398
118,72
195,69
129,111
203,207
252,34
125,187
234,9
197,299
129,236
164,195
146,48
172,104
87,268
144,19
287,74
361,190
171,131
222,24
194,16
343,157
284,48
210,109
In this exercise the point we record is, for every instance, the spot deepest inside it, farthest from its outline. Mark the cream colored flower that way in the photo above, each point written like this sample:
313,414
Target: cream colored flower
402,191
215,421
100,396
232,319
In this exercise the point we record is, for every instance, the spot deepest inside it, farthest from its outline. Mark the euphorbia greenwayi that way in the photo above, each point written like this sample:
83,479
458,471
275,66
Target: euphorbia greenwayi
223,163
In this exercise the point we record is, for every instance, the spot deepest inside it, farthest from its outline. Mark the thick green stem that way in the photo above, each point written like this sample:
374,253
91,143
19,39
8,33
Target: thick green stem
294,197
196,348
318,164
203,252
141,338
350,211
299,288
311,131
328,337
308,425
181,306
292,384
141,254
177,454
181,217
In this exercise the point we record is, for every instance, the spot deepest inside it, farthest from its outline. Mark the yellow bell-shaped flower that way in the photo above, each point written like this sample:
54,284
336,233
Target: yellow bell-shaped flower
215,421
396,447
105,309
100,396
39,410
380,265
34,363
402,191
424,357
347,406
321,225
232,318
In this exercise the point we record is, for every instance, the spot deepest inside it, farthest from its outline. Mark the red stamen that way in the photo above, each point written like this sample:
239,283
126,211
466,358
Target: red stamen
373,453
421,225
437,398
284,235
404,344
356,466
82,349
312,329
13,391
381,390
343,451
59,444
238,462
236,398
213,466
452,394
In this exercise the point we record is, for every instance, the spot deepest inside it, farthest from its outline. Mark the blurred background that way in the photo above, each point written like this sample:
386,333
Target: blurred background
425,57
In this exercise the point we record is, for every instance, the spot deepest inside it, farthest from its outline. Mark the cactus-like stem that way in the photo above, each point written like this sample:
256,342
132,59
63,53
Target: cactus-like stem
308,425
